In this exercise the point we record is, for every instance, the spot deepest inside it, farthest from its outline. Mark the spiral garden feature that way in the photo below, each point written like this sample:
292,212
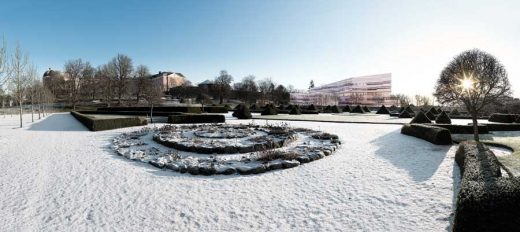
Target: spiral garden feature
224,148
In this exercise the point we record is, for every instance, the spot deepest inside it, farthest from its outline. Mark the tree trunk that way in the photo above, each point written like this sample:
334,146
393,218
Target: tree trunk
475,126
151,114
21,113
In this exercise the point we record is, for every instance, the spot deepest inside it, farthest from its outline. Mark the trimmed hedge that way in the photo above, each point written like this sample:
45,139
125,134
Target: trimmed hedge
486,200
405,114
99,124
357,109
347,108
132,113
432,134
382,110
366,109
454,112
463,129
334,109
242,112
295,110
503,126
443,118
180,109
434,111
430,115
312,107
215,109
269,110
196,118
420,118
503,118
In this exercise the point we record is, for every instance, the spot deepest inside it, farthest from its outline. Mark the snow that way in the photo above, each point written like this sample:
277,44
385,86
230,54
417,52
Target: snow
57,176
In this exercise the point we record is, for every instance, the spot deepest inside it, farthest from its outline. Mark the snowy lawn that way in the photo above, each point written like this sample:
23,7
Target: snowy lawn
58,176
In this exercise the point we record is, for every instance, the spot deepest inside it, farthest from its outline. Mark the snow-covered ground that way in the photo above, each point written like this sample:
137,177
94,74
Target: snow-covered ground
57,176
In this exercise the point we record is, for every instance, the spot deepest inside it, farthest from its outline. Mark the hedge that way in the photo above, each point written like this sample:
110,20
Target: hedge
334,109
357,109
430,115
382,110
503,126
242,112
99,124
134,113
215,109
295,110
463,129
347,108
181,109
435,135
405,114
269,110
486,200
366,109
503,118
443,118
196,118
420,118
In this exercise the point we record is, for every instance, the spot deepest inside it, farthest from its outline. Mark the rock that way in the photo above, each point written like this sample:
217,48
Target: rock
194,170
290,163
303,159
207,170
183,168
275,164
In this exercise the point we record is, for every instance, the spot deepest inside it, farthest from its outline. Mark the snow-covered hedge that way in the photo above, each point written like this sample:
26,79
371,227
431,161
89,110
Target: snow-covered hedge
462,129
503,126
503,118
179,109
196,118
97,123
486,200
432,134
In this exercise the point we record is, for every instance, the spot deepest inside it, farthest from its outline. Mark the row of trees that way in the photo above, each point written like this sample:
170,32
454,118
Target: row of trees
80,81
19,82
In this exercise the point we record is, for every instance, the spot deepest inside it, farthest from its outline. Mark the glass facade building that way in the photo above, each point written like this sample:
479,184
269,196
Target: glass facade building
364,90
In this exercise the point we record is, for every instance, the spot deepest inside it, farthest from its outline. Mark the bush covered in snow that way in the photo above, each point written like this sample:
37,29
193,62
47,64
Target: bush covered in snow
432,134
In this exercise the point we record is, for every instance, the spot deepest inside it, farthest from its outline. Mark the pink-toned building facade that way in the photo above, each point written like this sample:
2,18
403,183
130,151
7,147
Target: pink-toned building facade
364,90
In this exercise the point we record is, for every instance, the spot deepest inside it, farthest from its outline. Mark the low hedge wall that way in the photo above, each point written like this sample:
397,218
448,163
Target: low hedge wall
99,124
196,118
181,109
137,113
432,134
503,118
215,109
503,127
486,200
463,129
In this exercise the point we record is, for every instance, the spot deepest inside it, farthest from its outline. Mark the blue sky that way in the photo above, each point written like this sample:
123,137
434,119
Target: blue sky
290,41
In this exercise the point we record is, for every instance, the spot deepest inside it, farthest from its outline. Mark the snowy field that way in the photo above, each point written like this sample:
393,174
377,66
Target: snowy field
57,176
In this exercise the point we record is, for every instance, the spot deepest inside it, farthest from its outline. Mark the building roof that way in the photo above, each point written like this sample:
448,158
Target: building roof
161,74
206,82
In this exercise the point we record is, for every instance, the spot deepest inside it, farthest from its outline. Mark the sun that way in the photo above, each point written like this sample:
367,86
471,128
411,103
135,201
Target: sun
466,83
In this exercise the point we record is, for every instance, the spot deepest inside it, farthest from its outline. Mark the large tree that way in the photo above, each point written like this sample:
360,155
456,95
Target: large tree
142,77
122,69
4,64
474,79
222,84
246,90
107,80
18,77
74,70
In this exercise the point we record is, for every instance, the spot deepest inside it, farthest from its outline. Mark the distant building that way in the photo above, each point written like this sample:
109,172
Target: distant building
207,84
364,90
167,80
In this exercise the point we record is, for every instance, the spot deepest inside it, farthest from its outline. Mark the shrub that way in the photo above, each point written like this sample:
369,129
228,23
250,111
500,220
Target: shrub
382,110
253,106
405,114
393,108
486,200
366,109
327,109
454,112
357,109
266,156
335,109
503,118
434,111
98,123
430,115
269,110
435,135
420,118
312,107
347,108
295,110
443,118
242,112
409,110
170,109
503,126
196,118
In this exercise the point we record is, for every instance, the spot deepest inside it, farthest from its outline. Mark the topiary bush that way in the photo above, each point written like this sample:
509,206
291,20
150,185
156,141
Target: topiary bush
435,135
196,118
242,112
312,107
357,109
409,110
383,110
420,118
295,110
269,110
366,109
486,200
434,111
503,118
405,114
443,118
454,112
430,115
347,108
335,109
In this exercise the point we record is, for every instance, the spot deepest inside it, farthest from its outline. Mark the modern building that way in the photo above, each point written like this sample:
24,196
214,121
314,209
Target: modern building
364,90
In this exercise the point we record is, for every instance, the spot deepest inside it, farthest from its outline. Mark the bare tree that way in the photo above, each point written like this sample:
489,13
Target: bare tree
18,71
356,98
89,84
223,85
474,79
122,68
152,94
74,71
266,87
142,75
106,79
31,87
4,64
401,99
246,90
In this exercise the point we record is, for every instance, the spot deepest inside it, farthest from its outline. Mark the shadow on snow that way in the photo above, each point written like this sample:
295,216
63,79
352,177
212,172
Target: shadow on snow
58,122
